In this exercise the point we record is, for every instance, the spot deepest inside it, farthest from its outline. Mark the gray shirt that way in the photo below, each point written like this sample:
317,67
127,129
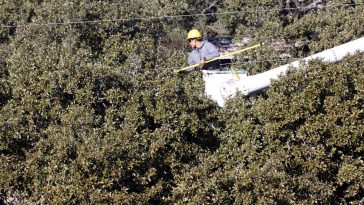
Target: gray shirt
207,51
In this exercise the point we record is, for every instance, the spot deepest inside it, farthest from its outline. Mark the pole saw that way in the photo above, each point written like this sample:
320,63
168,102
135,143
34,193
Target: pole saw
220,57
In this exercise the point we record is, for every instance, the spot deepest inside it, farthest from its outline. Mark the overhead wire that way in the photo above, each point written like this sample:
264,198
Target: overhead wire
257,10
260,10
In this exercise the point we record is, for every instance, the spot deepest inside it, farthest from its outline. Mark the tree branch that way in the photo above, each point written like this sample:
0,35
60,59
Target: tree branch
311,6
211,5
314,4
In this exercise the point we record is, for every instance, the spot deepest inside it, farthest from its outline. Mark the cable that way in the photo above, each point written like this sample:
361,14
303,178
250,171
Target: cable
169,16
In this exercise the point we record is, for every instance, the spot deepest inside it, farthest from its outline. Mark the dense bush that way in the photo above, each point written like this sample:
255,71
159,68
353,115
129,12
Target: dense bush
301,143
91,112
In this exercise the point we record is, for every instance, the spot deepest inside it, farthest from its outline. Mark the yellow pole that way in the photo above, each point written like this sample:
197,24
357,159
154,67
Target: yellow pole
220,57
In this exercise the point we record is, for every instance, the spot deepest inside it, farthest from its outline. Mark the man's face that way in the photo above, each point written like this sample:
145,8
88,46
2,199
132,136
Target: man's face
192,43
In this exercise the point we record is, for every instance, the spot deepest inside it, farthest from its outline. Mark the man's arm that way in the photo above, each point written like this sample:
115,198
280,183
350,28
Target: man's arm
191,61
193,58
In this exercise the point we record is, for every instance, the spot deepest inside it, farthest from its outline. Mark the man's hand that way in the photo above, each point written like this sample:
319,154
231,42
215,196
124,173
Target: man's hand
202,63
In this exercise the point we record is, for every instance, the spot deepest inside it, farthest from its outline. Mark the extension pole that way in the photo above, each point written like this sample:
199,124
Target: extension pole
220,57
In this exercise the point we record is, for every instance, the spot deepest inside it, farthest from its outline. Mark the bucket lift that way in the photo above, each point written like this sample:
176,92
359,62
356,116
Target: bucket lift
221,85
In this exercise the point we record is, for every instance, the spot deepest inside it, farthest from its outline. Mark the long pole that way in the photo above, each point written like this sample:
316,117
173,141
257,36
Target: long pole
220,57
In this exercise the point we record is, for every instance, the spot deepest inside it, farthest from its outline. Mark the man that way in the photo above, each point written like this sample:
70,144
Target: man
202,51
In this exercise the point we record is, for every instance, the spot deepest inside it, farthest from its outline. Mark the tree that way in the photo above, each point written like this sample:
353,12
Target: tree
91,112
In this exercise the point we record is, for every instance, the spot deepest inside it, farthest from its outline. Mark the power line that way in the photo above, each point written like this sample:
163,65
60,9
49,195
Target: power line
258,10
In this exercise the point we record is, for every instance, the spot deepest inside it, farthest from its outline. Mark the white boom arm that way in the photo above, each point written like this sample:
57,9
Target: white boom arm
254,83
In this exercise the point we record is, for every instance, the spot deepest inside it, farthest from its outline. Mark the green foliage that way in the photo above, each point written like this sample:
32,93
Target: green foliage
91,112
292,145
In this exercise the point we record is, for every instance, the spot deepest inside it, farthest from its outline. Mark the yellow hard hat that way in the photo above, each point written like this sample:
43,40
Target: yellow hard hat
194,33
